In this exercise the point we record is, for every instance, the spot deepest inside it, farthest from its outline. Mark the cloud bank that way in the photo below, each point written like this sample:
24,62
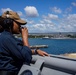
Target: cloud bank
55,21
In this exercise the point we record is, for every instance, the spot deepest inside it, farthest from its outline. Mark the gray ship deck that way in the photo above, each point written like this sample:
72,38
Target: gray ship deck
52,65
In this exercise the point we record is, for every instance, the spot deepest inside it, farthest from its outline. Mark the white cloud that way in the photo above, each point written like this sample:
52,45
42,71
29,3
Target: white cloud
31,11
30,22
47,21
74,3
45,25
51,16
7,9
56,10
39,28
71,17
19,13
66,24
69,9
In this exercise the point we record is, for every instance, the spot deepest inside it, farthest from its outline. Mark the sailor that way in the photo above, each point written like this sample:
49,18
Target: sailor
14,52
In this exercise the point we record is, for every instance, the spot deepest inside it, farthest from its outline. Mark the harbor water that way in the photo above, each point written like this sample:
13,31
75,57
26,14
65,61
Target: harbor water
55,46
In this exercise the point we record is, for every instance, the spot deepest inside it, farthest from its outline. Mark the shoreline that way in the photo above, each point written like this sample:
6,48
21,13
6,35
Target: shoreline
70,55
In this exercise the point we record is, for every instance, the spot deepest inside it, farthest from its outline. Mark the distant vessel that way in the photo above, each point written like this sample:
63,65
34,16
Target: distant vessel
46,37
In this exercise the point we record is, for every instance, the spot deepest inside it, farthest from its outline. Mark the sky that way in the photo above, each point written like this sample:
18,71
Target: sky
44,16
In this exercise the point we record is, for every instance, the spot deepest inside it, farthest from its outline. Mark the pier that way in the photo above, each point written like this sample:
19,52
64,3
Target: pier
38,46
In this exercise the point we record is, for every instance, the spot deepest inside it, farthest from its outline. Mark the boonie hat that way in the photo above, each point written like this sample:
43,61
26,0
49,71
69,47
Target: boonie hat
13,15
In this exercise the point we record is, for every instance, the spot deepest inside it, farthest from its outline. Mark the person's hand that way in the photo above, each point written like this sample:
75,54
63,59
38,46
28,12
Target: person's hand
42,53
24,32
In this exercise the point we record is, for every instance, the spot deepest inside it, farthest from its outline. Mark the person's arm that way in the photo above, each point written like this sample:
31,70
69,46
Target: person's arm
24,32
26,43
